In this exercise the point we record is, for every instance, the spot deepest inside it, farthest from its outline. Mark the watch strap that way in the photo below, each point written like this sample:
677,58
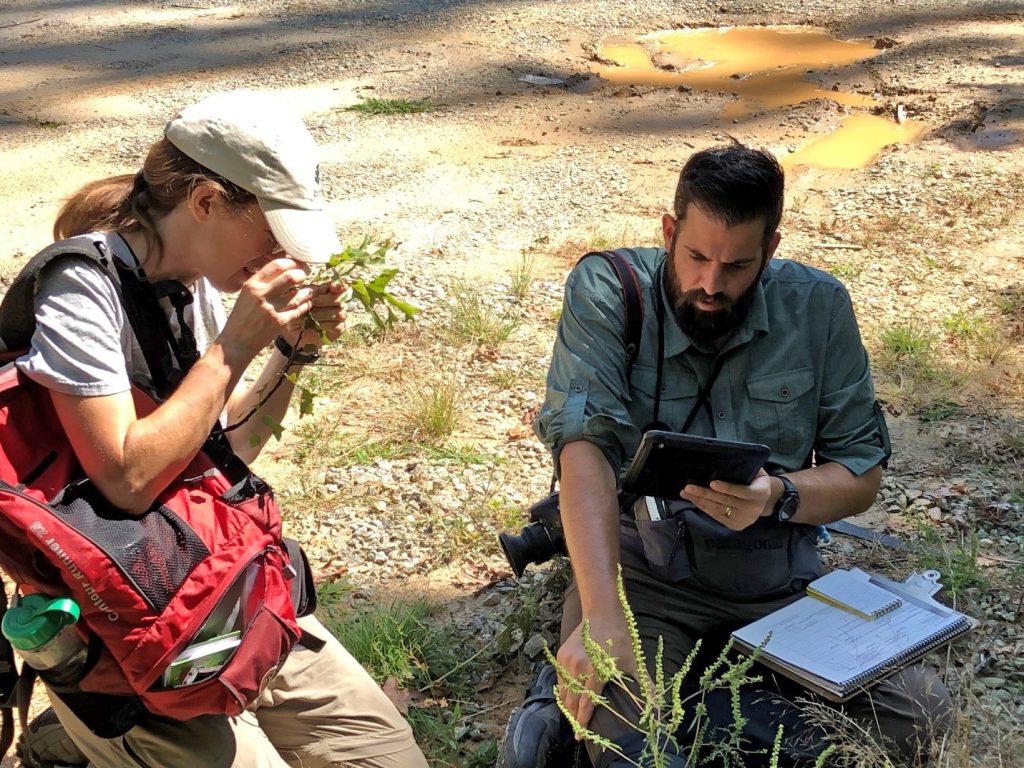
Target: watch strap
293,356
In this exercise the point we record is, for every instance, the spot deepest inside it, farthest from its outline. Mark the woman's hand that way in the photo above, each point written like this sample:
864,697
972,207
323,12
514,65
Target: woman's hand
328,312
734,506
269,302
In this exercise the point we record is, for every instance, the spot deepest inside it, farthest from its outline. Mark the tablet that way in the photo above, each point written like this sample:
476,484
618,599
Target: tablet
665,462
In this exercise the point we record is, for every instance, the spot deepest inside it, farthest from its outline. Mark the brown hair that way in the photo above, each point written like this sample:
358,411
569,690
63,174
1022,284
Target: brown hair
129,203
735,184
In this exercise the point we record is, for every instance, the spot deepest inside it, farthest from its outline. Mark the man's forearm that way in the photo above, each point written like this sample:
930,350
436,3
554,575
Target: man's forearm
590,516
829,492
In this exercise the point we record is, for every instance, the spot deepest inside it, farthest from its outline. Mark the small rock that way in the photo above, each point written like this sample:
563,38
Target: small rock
534,647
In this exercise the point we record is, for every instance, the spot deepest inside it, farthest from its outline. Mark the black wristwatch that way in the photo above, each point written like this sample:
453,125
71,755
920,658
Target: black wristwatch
295,358
789,501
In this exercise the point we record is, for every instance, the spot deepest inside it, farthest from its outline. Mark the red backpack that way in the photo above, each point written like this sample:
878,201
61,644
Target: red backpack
187,609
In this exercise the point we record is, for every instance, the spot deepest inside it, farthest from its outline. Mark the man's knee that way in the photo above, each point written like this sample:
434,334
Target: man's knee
912,710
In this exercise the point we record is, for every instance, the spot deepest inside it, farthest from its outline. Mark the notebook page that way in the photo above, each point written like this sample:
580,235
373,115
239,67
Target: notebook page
837,645
853,590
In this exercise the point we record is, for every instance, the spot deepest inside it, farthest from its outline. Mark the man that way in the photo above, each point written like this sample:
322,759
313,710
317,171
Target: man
739,346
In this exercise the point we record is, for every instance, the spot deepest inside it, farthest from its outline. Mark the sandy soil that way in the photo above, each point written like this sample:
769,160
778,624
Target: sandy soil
500,165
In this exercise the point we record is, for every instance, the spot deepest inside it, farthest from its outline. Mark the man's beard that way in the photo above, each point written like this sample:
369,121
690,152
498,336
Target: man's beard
706,327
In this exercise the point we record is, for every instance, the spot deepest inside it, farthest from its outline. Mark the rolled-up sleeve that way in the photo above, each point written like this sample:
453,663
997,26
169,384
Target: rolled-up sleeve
851,429
587,388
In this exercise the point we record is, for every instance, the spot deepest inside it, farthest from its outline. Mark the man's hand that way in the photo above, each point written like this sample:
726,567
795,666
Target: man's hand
573,658
734,506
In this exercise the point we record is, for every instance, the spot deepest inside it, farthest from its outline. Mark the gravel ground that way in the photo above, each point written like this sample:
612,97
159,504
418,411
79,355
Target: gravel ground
928,237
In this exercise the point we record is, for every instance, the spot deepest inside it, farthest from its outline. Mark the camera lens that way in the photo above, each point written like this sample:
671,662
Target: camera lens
532,545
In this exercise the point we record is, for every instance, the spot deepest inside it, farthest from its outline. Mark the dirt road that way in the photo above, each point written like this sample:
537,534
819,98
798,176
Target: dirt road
928,236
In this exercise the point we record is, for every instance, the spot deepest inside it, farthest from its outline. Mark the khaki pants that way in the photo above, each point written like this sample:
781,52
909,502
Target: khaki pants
906,712
321,709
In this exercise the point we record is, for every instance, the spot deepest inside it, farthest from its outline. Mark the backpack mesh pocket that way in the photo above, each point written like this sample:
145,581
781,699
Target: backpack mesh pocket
155,551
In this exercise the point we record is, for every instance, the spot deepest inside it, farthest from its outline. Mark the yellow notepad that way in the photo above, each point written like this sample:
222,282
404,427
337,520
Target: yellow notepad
853,591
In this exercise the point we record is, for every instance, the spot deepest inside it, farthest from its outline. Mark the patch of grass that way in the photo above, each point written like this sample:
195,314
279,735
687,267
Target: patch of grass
436,408
939,410
332,598
460,533
41,122
845,270
376,106
990,345
478,320
440,731
907,342
960,325
958,563
1010,302
510,377
524,272
398,640
458,453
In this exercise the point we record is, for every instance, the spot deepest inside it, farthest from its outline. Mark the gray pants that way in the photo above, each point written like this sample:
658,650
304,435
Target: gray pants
906,712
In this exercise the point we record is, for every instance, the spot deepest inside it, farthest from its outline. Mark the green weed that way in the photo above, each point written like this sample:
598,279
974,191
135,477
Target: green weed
524,272
436,408
376,106
963,326
439,732
939,410
332,598
845,270
662,704
958,563
477,320
397,640
907,342
458,454
41,122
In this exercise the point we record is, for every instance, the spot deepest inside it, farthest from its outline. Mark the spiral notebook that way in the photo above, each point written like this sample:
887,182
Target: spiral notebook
853,591
866,629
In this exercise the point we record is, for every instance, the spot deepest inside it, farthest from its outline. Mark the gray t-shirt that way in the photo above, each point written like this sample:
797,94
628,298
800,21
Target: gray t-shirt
84,343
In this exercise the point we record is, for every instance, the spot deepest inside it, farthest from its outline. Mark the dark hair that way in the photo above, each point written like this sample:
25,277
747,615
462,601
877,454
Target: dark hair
735,184
128,203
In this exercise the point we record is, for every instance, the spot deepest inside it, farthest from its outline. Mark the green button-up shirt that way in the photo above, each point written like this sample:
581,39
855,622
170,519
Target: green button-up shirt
795,374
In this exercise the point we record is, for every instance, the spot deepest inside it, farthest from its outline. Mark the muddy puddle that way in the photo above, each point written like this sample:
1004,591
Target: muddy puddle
766,68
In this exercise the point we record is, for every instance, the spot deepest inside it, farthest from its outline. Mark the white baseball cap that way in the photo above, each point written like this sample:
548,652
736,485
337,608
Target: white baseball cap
256,142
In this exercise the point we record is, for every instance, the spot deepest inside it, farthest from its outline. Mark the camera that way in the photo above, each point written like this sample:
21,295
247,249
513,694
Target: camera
540,540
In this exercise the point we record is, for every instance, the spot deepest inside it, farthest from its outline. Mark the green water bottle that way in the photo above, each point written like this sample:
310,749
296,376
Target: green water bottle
41,629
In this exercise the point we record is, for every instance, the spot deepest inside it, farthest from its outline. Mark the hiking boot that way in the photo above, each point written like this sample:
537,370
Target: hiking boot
45,744
538,735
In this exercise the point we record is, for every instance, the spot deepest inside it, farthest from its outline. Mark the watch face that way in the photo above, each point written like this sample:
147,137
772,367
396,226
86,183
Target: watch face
786,509
788,503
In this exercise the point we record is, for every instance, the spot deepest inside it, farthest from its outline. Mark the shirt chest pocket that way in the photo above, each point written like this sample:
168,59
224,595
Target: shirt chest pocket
783,414
678,394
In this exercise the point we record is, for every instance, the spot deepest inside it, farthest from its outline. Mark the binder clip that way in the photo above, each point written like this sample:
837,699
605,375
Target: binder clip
925,583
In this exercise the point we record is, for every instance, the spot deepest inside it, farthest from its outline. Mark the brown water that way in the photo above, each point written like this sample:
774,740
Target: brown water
767,68
857,140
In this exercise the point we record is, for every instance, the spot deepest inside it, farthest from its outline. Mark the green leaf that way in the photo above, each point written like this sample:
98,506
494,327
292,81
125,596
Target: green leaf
305,402
274,426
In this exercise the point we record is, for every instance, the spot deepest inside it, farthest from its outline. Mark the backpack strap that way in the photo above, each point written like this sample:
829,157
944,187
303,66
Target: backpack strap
17,310
632,302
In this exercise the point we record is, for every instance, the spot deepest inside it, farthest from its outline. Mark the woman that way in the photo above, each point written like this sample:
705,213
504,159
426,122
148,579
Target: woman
229,200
